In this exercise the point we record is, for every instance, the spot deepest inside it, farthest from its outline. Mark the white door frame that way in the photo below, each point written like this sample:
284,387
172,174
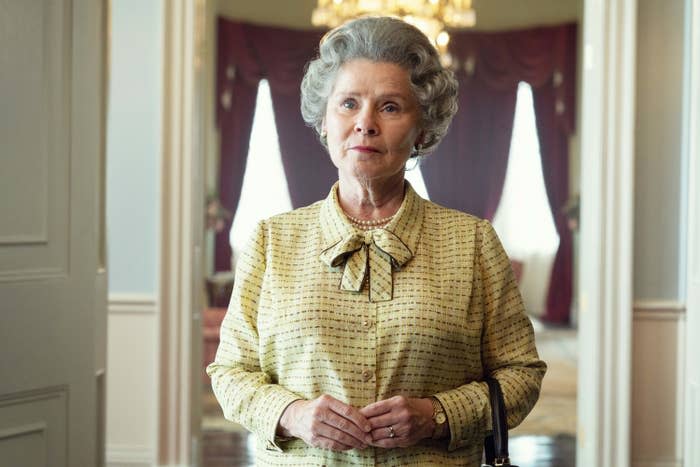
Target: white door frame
691,418
607,155
607,175
182,230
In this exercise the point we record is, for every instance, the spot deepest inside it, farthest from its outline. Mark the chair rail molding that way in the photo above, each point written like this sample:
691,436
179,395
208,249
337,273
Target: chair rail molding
607,174
658,310
132,303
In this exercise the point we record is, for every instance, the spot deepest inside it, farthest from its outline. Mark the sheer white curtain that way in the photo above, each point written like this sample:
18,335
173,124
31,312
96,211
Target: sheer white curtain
264,192
523,219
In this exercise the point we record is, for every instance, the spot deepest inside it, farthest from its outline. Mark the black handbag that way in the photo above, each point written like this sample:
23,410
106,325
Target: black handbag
496,444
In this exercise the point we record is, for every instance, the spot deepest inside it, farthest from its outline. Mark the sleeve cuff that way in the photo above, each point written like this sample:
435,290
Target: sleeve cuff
465,416
275,409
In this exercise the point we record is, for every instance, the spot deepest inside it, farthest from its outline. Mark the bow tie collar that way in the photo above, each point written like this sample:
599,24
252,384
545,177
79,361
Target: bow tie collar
372,255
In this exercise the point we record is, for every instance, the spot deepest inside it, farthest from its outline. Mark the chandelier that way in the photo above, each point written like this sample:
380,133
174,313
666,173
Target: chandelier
430,16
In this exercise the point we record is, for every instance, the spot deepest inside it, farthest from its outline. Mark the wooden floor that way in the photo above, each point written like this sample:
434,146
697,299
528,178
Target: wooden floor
232,449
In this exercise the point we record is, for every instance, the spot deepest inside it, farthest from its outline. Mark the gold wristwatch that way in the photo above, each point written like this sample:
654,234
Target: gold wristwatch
439,418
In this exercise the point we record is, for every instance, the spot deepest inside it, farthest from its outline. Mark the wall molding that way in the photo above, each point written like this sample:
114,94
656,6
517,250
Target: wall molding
658,310
607,207
130,454
132,303
691,419
182,232
657,463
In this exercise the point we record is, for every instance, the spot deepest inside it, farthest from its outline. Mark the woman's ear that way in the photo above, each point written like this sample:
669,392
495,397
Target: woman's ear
419,140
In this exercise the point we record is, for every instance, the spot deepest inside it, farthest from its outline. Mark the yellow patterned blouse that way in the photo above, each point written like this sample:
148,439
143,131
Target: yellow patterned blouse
448,313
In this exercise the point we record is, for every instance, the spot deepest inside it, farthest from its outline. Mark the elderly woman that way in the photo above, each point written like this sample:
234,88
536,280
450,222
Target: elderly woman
361,327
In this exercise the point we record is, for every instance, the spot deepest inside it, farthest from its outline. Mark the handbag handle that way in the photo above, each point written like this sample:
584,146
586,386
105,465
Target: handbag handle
496,444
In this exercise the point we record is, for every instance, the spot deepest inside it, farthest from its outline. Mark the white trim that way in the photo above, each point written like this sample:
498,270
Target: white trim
657,463
140,304
658,310
129,454
182,226
659,305
607,173
691,399
658,315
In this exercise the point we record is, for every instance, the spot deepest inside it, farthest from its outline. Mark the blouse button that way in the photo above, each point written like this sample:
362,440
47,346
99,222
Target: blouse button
366,324
366,375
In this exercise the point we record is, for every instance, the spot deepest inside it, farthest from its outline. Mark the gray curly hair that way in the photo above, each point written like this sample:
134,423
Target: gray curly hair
383,39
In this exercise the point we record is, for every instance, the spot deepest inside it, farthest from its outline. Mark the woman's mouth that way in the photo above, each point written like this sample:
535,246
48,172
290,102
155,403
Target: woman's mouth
365,149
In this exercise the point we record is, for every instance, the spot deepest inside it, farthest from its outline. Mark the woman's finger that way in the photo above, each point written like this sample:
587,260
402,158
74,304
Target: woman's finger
378,408
386,432
348,412
332,433
347,427
324,442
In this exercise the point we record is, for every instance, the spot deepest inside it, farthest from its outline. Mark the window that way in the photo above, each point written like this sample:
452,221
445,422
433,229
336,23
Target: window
264,192
523,219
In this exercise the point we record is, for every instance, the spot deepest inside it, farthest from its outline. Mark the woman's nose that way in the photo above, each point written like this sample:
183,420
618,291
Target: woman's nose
366,123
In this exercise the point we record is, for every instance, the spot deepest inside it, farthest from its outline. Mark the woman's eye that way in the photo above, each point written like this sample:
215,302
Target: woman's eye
391,108
348,104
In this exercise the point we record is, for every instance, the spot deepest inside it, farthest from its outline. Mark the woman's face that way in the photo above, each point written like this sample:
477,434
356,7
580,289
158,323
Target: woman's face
372,120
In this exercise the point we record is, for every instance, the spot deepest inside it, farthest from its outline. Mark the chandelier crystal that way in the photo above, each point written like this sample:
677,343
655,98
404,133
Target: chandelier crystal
430,16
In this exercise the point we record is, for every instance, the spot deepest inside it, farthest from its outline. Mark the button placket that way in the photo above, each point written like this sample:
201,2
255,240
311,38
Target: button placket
367,328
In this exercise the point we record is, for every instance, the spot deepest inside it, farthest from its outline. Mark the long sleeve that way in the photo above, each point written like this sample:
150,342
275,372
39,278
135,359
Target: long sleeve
508,350
291,332
247,395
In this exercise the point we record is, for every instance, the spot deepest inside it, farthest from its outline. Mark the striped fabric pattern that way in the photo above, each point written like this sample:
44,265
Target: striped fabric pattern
293,331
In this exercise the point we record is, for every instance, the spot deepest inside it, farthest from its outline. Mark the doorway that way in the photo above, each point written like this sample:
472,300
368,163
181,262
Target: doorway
606,336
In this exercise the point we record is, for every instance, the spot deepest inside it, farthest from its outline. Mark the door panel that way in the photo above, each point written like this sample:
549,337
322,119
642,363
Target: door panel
31,426
52,301
34,61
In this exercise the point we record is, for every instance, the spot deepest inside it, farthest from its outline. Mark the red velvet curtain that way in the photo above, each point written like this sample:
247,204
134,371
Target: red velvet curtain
467,171
554,109
246,54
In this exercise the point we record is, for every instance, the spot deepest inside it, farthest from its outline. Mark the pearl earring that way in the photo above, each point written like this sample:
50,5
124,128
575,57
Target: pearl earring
416,150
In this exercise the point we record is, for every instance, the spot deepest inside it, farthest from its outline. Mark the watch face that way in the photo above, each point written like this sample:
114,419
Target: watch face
440,418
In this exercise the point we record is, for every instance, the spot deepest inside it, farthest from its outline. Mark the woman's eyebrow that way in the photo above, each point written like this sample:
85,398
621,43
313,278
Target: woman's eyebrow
389,95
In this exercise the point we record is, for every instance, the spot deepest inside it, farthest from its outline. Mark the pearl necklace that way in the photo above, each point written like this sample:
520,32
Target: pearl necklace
369,224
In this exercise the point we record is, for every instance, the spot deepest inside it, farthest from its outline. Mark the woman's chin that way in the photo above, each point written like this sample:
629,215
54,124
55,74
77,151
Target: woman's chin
366,174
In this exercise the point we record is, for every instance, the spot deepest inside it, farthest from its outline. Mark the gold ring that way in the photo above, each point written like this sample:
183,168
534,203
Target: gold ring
391,431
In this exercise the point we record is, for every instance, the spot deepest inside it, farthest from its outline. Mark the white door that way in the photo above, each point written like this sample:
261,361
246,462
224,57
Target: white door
52,279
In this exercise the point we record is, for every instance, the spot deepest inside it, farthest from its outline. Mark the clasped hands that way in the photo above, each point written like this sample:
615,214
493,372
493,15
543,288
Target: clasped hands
328,423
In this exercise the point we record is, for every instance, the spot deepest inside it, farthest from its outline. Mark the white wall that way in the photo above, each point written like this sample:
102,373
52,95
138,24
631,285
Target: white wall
659,314
660,42
134,132
134,145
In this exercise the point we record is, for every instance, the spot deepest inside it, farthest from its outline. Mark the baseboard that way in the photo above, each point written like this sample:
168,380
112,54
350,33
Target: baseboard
657,463
125,455
129,464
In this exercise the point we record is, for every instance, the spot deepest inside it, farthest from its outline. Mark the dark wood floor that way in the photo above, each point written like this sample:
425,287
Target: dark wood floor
222,449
